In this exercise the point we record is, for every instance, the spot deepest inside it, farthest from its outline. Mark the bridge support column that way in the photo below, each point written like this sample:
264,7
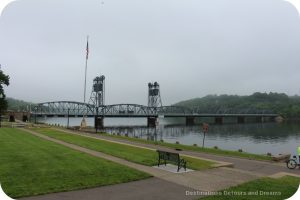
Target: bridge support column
273,119
240,120
151,121
25,118
260,119
190,121
219,120
12,118
99,122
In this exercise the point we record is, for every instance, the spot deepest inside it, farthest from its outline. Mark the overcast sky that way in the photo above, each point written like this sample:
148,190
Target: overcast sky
190,47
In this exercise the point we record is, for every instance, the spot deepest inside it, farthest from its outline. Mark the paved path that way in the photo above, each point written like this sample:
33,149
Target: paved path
165,185
149,189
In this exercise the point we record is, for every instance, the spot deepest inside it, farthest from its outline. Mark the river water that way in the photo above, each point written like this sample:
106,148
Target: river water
260,138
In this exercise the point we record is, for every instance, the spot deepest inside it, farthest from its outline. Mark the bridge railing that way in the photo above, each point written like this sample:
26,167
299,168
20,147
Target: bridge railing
174,110
124,109
77,108
64,108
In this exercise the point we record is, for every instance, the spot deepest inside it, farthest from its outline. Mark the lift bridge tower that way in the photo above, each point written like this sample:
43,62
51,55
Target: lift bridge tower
154,100
98,92
97,99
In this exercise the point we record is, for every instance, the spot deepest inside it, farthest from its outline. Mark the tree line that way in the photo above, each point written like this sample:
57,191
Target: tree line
18,105
4,81
279,103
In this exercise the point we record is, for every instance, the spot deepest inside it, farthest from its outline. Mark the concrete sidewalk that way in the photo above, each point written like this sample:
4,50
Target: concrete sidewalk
149,189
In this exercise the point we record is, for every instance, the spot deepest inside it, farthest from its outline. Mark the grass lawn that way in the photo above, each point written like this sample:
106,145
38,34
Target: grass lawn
130,153
30,165
194,148
261,189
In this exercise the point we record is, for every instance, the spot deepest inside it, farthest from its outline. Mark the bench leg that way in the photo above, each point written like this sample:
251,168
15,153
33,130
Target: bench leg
158,162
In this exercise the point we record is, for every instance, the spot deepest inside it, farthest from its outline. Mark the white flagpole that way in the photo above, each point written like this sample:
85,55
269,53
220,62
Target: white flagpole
86,61
83,122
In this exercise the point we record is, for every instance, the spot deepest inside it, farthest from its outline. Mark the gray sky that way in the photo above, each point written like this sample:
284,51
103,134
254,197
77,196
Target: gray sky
191,47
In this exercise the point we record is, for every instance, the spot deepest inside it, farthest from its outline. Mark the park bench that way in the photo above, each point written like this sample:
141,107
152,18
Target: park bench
173,157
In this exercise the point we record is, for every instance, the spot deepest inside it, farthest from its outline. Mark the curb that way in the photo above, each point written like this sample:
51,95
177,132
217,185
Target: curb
281,174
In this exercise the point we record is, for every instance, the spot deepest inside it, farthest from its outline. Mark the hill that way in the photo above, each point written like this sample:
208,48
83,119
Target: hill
18,105
287,106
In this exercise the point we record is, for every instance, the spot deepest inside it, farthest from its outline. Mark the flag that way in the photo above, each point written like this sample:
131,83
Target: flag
87,50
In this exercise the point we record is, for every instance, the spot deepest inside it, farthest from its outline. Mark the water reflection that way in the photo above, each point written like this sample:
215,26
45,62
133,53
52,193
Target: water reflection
256,138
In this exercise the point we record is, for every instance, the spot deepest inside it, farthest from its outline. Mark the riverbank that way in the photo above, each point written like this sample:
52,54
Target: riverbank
193,147
210,179
179,147
134,154
250,165
254,138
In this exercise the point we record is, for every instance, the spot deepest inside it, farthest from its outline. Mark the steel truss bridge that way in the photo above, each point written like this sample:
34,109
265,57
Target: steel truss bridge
78,109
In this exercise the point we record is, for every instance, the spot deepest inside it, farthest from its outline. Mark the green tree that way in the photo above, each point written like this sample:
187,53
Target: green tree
4,80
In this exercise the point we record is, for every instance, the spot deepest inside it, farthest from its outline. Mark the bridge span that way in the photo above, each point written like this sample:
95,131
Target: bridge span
97,109
78,109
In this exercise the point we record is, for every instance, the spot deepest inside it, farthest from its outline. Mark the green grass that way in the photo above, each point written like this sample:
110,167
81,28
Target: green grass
195,148
281,188
30,165
130,153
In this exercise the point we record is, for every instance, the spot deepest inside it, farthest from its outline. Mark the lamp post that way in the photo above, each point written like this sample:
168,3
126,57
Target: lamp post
35,113
205,127
68,118
96,119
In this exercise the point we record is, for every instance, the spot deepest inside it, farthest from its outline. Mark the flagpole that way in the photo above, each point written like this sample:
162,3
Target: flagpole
86,61
83,122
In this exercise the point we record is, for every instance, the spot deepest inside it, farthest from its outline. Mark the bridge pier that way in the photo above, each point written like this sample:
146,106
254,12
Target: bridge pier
273,119
240,120
22,116
12,118
151,121
190,121
25,118
99,123
260,119
219,120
